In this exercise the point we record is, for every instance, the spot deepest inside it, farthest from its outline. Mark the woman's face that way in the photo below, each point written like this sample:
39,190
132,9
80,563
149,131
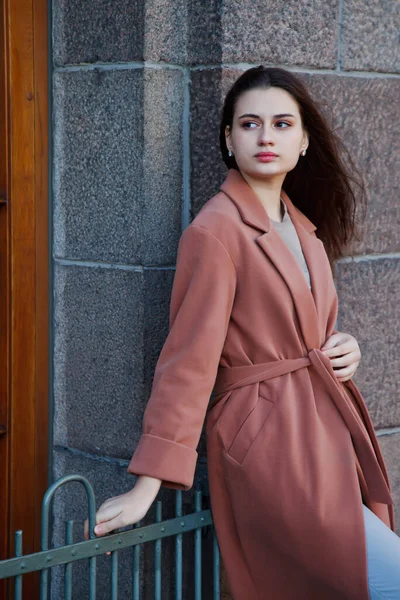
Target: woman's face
266,136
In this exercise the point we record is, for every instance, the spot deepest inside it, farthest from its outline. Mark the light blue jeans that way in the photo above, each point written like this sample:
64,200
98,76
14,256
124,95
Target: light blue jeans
383,556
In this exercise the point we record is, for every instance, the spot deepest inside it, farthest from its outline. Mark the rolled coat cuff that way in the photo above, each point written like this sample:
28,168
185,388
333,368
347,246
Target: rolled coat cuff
164,459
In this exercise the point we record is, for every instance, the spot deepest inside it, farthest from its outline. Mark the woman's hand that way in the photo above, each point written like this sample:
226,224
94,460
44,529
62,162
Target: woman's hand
344,353
125,509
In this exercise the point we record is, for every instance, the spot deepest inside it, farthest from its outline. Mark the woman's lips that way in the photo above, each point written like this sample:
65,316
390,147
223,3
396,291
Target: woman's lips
266,156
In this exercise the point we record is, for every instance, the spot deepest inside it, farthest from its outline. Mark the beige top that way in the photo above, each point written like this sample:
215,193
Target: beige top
289,234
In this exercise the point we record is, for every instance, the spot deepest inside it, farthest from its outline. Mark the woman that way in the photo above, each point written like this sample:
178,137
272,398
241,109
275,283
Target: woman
299,491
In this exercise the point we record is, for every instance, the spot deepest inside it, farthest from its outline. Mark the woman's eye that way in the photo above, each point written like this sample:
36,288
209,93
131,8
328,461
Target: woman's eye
249,125
282,124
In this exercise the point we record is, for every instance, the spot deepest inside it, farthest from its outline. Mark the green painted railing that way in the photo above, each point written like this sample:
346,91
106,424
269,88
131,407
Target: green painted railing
66,555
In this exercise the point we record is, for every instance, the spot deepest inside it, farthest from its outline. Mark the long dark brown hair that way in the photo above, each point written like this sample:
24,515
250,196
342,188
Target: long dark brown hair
325,184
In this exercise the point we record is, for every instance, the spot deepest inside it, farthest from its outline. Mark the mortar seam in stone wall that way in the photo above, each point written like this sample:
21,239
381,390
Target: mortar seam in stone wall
186,203
367,257
301,69
68,262
71,262
340,31
117,66
122,462
104,458
387,431
235,66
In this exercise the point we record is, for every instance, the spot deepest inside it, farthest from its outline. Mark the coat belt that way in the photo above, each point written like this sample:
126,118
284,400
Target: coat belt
230,378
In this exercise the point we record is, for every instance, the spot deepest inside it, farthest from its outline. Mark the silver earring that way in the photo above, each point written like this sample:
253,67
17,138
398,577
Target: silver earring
230,153
303,152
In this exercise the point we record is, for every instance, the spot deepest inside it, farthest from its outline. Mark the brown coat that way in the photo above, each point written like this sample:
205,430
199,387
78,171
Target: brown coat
291,450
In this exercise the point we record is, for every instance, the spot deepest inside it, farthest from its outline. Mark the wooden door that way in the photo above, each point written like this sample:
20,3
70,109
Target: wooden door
4,302
24,270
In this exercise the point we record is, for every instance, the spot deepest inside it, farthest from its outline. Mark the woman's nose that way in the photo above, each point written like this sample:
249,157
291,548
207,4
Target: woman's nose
265,137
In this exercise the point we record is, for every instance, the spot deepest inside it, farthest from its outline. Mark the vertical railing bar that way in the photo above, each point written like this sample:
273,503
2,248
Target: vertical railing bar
178,549
197,550
216,567
44,578
68,567
92,578
18,578
43,584
114,575
157,556
136,569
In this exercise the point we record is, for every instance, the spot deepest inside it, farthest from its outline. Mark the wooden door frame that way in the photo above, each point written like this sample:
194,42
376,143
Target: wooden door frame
27,201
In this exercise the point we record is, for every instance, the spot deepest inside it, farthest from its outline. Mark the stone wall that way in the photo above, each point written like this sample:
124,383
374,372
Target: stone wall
137,89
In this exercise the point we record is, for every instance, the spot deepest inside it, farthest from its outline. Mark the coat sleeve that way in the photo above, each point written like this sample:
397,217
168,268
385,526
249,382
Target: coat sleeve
201,303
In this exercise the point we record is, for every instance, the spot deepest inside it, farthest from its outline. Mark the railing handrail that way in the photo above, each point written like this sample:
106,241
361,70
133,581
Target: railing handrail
118,541
134,538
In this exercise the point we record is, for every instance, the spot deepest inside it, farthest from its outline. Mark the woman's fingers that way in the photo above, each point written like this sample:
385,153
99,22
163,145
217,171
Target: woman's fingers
102,528
339,344
346,360
115,516
109,511
334,340
347,373
107,526
344,354
345,348
342,379
126,509
86,529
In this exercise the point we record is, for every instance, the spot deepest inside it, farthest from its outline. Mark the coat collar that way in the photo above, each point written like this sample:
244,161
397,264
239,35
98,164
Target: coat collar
250,207
311,305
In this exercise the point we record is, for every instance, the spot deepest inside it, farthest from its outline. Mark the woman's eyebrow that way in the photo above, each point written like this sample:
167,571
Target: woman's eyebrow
253,116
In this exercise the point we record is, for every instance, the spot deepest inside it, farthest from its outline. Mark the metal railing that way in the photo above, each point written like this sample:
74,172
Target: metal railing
46,559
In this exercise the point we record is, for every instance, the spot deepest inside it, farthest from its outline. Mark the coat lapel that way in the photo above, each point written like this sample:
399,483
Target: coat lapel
319,268
308,303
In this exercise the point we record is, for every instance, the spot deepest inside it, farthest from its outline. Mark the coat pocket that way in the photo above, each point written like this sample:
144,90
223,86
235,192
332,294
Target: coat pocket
250,429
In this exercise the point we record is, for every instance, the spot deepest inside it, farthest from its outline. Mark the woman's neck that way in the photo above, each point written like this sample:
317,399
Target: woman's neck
268,192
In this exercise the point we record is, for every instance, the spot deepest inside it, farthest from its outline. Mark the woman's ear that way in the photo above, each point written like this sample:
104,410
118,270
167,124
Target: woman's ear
227,136
305,141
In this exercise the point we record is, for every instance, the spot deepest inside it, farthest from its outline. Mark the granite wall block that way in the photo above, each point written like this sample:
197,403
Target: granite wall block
117,168
98,359
97,31
156,300
205,31
206,165
283,32
359,110
369,309
183,32
370,35
162,166
166,31
98,166
208,89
